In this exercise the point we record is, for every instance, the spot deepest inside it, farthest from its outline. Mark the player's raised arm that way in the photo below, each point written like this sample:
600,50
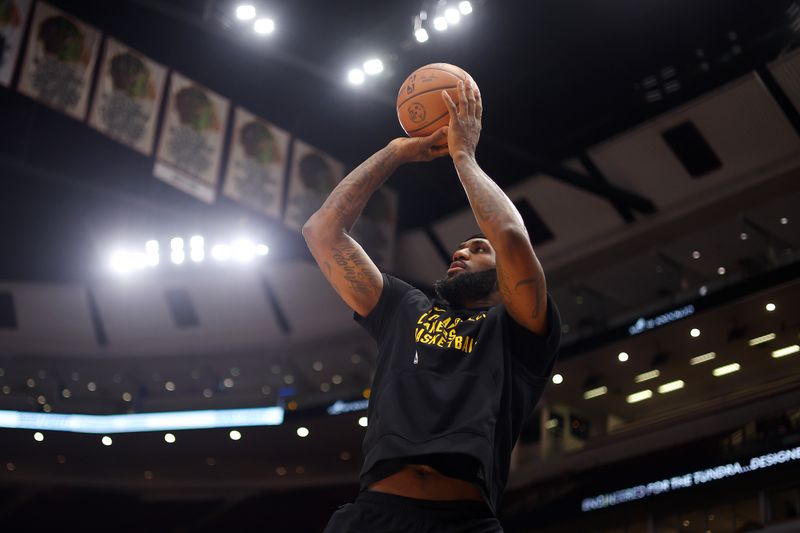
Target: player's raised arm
519,274
342,260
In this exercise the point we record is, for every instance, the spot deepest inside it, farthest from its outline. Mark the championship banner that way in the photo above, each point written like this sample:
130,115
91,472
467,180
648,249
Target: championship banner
192,137
59,60
13,15
375,228
314,175
257,162
127,96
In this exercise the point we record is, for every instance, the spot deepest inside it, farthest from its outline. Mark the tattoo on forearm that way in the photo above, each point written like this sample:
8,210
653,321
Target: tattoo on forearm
541,300
356,270
351,195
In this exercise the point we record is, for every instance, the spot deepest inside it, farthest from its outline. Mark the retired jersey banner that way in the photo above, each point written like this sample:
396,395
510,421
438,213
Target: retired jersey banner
313,176
127,96
192,137
59,60
375,228
13,15
257,162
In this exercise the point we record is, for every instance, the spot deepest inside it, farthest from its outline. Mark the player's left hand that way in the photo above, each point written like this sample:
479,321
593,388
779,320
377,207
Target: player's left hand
414,149
465,119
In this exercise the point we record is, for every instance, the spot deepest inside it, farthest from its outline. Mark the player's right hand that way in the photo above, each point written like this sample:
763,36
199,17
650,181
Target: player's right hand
414,149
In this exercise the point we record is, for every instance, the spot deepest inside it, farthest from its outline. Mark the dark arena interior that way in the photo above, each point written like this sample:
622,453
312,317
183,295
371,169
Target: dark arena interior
172,359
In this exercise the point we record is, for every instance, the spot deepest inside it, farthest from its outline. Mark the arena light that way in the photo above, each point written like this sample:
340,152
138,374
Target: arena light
439,23
465,7
142,422
761,340
38,436
452,16
243,250
702,358
727,369
558,379
623,356
783,352
639,396
671,386
264,26
177,257
770,307
652,374
302,432
245,12
363,422
355,76
594,393
262,249
694,332
106,441
421,35
221,252
169,438
197,245
373,66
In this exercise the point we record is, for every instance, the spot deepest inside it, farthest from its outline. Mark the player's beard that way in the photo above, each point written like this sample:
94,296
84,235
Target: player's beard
466,287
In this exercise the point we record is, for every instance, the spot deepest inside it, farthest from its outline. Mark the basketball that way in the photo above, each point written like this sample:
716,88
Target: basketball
420,107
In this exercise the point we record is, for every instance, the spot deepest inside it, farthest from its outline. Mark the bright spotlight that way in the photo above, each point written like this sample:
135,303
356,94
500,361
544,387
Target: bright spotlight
197,245
363,421
262,249
558,378
243,250
106,441
373,66
38,436
355,76
221,252
452,16
121,262
235,435
177,256
465,7
169,437
694,332
623,356
302,432
421,35
245,12
264,26
440,24
176,243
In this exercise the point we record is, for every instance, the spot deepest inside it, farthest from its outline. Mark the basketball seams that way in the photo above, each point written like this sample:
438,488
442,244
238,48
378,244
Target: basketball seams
437,89
428,124
401,104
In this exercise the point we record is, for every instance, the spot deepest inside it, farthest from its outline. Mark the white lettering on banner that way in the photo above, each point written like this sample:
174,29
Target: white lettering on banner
643,324
687,480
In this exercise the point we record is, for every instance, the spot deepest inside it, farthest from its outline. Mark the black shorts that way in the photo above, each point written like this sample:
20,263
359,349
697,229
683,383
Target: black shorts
378,512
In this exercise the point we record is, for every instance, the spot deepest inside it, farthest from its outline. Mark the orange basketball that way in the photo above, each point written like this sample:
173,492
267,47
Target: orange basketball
420,107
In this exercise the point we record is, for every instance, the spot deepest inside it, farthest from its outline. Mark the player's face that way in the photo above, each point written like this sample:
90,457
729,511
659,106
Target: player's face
474,255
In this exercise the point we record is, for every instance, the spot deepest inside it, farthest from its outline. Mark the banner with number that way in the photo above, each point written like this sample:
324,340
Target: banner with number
192,138
375,228
59,60
13,16
313,176
257,161
127,96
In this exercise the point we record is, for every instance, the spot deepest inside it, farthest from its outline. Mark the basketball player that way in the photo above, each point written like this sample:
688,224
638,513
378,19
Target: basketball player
456,376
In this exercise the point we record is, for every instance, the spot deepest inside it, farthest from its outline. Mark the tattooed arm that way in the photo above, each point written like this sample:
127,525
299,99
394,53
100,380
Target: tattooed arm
342,260
519,275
